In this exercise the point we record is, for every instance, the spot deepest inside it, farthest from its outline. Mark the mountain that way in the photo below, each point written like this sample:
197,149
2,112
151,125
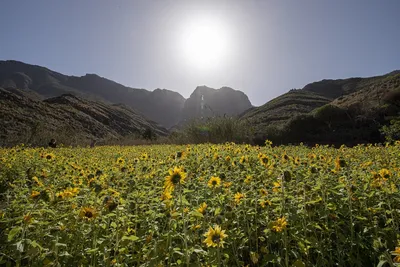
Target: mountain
68,118
329,111
163,106
223,101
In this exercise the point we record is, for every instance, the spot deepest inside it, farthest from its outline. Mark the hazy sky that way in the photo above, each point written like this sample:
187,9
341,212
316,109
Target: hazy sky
263,47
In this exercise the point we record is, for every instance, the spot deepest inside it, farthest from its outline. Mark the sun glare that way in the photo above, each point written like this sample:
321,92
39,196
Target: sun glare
205,43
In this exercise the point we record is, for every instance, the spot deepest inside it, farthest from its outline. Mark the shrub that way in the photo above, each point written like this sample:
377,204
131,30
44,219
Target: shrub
219,129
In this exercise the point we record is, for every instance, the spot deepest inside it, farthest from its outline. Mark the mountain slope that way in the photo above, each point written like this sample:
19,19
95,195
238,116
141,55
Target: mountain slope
23,119
284,107
162,106
350,110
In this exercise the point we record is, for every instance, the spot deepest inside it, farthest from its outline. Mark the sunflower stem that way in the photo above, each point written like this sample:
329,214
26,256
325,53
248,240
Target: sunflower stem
184,225
218,257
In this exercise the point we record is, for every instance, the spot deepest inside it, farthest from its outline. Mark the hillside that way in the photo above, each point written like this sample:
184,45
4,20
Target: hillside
329,111
163,106
279,110
66,117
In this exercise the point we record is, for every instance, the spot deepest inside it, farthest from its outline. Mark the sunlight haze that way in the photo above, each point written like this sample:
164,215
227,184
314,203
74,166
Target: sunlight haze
263,48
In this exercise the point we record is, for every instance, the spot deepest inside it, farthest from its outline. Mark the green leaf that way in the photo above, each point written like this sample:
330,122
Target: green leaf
36,245
179,253
299,263
131,238
13,233
187,191
92,250
195,213
381,263
361,218
65,254
199,251
217,211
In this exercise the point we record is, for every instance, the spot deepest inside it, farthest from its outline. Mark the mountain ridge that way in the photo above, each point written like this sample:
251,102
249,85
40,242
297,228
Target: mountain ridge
161,105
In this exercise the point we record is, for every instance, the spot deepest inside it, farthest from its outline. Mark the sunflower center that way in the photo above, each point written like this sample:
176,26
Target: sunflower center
48,157
88,214
214,182
176,177
265,160
216,238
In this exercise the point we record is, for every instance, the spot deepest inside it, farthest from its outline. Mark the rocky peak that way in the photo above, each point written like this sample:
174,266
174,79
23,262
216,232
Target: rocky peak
206,101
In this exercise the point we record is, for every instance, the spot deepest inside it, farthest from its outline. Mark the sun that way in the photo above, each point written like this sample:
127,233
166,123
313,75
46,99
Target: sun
205,43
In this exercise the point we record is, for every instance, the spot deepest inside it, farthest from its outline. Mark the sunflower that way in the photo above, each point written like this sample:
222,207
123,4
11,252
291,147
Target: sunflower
285,157
110,203
215,237
243,160
264,203
263,191
214,182
339,163
276,187
238,197
248,179
68,193
264,160
216,156
175,177
180,154
35,194
88,213
279,224
385,173
49,156
202,208
39,183
120,161
166,195
195,227
396,253
227,184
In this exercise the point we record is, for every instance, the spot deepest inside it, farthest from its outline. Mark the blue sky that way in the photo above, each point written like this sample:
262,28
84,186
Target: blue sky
273,45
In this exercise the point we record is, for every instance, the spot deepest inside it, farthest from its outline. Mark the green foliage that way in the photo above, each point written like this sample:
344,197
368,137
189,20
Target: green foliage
276,206
393,97
214,130
392,131
330,113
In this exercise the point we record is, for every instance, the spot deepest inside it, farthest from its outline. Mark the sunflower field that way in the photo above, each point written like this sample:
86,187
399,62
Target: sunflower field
200,205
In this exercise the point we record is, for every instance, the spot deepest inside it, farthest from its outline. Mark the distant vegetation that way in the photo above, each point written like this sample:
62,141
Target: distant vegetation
217,130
